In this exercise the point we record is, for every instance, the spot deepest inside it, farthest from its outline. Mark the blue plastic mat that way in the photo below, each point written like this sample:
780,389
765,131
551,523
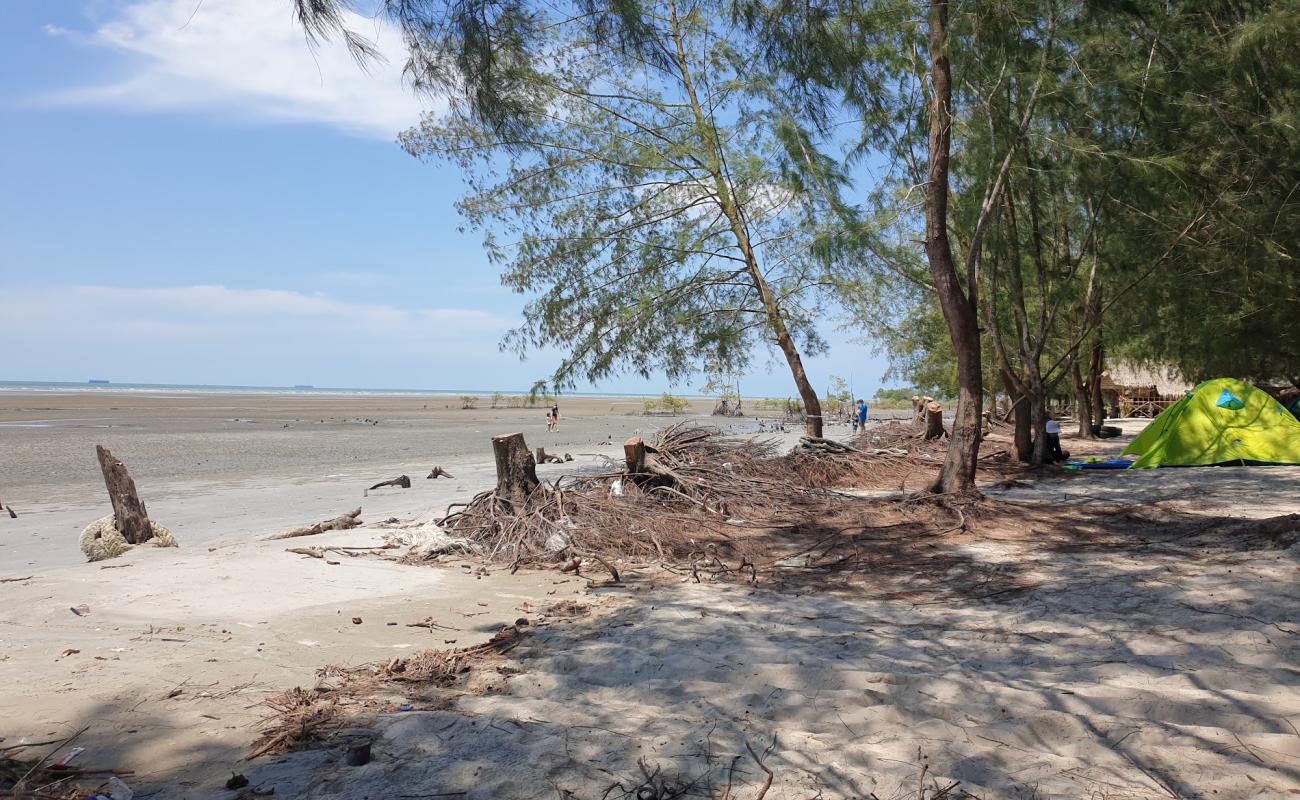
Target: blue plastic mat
1112,463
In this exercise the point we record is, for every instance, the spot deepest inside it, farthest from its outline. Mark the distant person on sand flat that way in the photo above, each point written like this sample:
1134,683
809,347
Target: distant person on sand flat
555,417
550,421
862,414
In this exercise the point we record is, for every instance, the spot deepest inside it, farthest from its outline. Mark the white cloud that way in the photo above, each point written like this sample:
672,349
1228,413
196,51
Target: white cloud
245,57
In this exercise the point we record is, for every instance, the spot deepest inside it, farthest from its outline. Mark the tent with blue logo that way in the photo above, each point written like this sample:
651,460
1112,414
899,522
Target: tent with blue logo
1223,421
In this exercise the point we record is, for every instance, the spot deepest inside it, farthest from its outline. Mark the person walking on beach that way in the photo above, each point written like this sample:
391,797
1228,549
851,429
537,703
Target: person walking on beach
555,417
550,421
861,414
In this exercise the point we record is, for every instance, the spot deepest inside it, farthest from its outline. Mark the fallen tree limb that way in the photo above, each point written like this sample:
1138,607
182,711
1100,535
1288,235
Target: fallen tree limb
439,472
401,480
340,523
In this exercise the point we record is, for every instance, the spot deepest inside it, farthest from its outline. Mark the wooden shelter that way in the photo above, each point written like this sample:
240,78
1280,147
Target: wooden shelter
1130,390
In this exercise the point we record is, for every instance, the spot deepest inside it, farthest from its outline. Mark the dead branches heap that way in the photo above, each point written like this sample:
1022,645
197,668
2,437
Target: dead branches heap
675,497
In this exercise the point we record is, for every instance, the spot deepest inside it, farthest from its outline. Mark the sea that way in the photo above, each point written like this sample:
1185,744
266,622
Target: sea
98,385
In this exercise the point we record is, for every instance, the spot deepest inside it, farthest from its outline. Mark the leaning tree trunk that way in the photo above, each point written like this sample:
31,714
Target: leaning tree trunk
958,474
732,209
129,514
516,470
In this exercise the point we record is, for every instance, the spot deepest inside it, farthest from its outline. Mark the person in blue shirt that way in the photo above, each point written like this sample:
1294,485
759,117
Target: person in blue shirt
862,414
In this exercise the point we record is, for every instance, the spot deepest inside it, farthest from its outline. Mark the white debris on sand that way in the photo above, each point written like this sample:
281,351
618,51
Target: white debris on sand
102,540
427,541
1126,674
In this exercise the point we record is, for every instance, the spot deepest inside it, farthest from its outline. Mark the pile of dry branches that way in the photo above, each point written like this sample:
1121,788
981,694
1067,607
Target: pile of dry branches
46,780
695,488
300,718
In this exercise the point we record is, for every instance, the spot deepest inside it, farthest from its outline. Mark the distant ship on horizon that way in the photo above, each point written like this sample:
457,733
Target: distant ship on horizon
303,386
97,380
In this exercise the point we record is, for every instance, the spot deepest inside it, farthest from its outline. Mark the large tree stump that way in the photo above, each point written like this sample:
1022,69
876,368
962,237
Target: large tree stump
634,455
129,514
516,470
934,421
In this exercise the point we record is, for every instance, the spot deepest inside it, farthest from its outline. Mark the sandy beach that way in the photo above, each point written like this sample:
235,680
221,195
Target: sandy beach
1124,670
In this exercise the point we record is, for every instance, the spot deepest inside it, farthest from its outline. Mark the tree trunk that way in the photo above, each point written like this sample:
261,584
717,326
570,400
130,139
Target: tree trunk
634,455
516,470
1095,367
1023,436
918,409
934,421
1038,419
959,311
129,514
1082,402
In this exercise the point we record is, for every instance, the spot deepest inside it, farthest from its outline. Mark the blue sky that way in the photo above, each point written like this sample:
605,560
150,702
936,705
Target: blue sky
193,196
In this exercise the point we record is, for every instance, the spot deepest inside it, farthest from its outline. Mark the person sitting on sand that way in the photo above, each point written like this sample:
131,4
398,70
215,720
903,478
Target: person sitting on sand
1054,441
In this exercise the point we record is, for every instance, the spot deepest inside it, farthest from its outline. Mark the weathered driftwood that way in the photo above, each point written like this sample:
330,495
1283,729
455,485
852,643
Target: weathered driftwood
934,421
516,470
12,514
815,444
341,523
401,480
439,472
542,457
129,514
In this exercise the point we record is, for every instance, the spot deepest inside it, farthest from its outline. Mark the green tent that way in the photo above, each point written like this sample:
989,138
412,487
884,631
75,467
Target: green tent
1223,421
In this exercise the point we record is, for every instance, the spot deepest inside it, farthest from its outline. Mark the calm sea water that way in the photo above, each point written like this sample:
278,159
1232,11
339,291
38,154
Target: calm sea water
65,387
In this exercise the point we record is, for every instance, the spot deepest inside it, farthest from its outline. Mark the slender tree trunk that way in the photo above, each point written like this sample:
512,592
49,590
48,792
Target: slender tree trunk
959,311
735,216
1082,401
1095,367
1023,437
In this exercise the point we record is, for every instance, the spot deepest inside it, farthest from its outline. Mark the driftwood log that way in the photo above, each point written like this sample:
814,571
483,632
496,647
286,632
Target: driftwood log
934,421
12,514
439,472
341,523
816,444
401,480
129,514
542,457
516,470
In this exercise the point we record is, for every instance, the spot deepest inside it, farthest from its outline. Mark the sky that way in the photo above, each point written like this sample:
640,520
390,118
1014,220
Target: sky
192,194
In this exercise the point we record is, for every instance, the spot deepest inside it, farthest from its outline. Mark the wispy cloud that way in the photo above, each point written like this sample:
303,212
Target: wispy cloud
212,332
247,58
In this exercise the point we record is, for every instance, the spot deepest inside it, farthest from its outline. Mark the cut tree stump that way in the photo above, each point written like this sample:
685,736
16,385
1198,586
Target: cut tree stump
516,470
129,514
439,472
634,455
401,480
342,523
934,421
918,409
